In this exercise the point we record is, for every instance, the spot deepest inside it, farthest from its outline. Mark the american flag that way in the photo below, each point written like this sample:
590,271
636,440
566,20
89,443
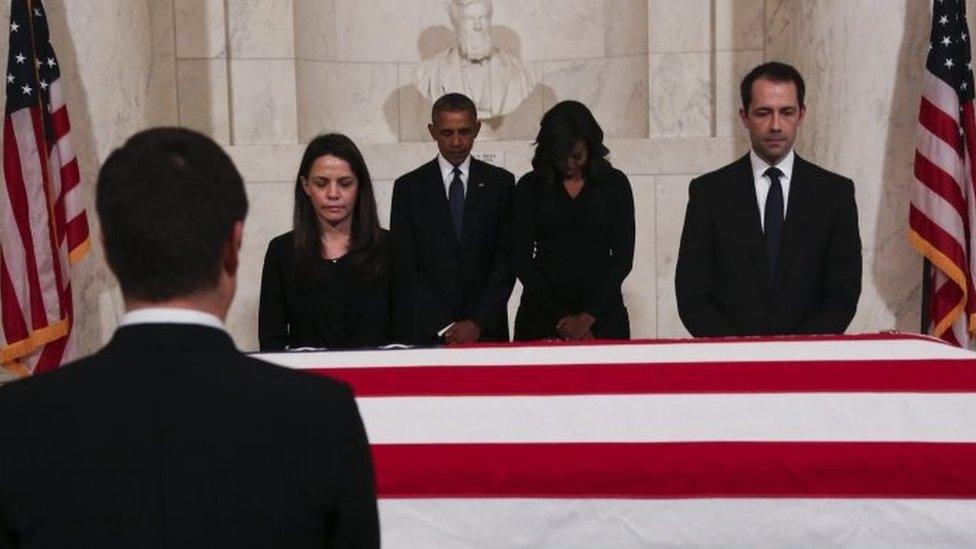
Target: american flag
943,203
839,441
43,226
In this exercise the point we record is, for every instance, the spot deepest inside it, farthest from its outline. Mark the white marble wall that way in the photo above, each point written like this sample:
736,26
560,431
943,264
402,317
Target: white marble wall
261,76
265,71
863,91
699,50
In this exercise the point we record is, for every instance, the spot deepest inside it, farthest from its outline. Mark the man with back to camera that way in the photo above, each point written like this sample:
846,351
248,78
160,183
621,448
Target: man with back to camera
168,436
449,221
770,243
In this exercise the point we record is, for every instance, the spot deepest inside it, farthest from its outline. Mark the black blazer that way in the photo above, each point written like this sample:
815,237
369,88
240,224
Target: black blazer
170,437
721,281
344,308
440,279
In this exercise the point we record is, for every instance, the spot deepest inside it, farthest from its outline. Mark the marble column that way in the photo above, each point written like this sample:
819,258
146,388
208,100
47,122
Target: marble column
863,84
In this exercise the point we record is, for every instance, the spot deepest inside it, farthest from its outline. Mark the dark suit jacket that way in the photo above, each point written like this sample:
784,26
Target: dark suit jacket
170,437
440,279
722,282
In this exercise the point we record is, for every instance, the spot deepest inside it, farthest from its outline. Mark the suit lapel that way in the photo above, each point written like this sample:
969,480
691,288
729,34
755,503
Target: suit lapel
472,202
746,195
436,198
796,208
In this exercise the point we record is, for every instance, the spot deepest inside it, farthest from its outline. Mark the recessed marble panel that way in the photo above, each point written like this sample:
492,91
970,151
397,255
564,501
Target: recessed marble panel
203,97
640,287
683,26
261,29
389,31
626,27
357,99
270,214
730,68
739,24
315,30
615,89
672,200
550,30
162,108
263,101
200,29
680,94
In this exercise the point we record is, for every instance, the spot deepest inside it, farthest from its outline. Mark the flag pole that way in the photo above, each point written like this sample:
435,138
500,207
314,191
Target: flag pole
926,297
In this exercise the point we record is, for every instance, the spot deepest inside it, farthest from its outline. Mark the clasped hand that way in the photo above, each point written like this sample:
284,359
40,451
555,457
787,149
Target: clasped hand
577,327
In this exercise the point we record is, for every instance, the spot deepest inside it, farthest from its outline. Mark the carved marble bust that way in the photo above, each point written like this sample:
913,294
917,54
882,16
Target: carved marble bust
494,79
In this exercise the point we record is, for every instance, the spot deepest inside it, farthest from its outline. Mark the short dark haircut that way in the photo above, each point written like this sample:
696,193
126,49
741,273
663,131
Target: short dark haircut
453,102
366,238
562,126
167,201
776,72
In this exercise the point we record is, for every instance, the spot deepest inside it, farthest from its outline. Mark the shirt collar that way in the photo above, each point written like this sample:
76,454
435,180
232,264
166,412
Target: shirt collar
759,166
447,169
171,315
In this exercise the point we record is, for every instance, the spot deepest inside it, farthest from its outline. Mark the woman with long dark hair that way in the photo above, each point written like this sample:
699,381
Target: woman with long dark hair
573,233
326,283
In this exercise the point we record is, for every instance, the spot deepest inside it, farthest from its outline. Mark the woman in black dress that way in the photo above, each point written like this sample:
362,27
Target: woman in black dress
573,233
326,283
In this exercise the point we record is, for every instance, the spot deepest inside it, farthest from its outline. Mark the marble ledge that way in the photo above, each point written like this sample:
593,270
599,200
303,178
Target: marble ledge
658,156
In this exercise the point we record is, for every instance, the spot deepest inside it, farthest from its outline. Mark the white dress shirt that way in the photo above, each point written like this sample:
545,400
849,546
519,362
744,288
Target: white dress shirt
447,173
171,315
762,181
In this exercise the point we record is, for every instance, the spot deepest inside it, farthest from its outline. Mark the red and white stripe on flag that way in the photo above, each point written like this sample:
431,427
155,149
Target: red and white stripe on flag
864,441
943,201
43,225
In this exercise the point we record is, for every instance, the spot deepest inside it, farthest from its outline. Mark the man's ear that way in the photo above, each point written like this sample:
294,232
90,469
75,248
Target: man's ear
433,131
477,127
230,259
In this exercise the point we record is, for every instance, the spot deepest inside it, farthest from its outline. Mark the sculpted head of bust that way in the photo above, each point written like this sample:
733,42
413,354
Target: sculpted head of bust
495,79
472,26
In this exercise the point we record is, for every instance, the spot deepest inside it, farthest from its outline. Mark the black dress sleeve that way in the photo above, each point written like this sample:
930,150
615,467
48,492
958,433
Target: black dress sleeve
372,321
622,230
272,312
524,210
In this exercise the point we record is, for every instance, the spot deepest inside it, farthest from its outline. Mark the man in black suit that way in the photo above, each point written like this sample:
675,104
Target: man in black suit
770,242
168,436
449,221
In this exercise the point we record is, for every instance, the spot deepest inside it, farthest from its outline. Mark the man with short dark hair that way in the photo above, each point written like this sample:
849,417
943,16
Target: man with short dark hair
449,221
168,436
770,243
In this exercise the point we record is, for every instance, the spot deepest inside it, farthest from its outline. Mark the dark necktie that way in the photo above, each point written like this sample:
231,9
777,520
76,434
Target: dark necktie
773,216
455,200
